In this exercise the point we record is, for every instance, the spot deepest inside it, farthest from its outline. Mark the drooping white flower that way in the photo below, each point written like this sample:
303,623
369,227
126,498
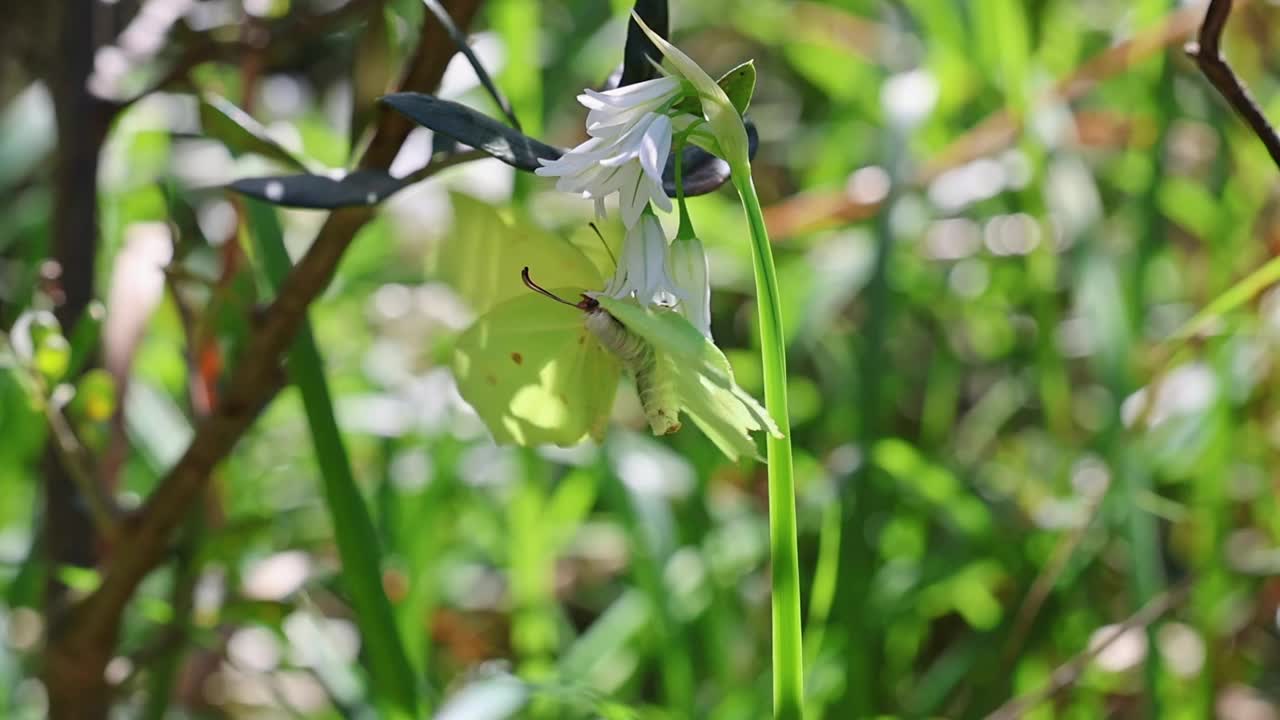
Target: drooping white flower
623,106
687,266
642,269
722,118
630,141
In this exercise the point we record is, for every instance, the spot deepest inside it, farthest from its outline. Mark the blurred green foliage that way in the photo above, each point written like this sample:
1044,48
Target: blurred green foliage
1002,447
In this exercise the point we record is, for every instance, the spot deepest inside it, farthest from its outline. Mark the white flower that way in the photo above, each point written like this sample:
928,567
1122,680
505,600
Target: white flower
642,270
627,151
722,118
687,266
623,106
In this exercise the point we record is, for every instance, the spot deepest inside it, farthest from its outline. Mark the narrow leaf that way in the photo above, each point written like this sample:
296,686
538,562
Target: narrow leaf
322,192
473,128
392,677
460,42
236,129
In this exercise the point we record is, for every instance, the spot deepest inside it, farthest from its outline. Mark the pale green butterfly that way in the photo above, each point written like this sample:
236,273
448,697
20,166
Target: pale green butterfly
542,369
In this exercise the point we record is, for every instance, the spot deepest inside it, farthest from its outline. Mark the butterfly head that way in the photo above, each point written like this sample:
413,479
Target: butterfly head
587,303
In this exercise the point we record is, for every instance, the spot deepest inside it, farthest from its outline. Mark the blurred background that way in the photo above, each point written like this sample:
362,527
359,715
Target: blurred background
1017,481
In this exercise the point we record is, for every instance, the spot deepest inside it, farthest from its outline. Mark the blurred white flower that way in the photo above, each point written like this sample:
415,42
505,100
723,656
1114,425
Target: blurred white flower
687,266
642,270
627,151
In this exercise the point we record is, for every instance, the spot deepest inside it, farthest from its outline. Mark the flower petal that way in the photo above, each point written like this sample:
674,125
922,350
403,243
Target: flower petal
655,146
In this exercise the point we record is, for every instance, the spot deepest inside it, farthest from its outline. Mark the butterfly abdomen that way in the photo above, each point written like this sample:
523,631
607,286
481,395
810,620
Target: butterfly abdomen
657,392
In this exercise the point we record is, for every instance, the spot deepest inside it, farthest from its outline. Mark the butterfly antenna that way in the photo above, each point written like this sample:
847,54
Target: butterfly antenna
529,283
605,244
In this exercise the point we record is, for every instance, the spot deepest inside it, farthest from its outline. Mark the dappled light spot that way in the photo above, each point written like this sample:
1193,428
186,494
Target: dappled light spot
1187,390
118,670
392,301
1016,234
1181,648
869,185
274,190
1241,702
1125,648
952,239
254,648
909,97
277,576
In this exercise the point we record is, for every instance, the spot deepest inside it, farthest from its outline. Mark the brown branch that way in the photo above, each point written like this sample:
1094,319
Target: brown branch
1207,53
77,655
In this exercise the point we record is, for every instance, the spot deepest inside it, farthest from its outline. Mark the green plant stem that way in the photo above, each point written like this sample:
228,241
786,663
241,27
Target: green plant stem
788,647
686,223
391,676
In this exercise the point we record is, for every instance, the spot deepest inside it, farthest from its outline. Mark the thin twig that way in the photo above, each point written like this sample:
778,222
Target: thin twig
1067,673
1046,579
444,163
79,465
460,40
1207,53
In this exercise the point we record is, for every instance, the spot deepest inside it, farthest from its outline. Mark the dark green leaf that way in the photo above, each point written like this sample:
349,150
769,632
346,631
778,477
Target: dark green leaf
391,676
320,192
636,65
473,128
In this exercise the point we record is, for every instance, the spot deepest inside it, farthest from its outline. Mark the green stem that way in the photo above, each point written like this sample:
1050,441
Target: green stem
393,682
788,648
686,223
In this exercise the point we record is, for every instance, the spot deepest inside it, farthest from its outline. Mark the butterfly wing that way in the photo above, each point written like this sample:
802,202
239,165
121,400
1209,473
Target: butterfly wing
484,254
535,374
702,377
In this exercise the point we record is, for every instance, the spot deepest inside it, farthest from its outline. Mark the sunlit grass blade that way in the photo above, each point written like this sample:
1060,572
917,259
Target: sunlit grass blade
1238,294
391,675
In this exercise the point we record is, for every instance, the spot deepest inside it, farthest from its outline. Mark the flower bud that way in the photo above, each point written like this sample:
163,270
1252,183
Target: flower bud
642,269
687,267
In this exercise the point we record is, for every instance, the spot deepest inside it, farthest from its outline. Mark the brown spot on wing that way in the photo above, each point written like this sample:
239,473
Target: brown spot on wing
517,358
491,379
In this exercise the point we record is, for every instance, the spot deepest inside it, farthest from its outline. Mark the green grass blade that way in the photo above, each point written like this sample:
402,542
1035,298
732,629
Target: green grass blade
1238,294
391,675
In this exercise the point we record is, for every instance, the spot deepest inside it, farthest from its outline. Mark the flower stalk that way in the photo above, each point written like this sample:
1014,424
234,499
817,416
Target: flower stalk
726,126
788,647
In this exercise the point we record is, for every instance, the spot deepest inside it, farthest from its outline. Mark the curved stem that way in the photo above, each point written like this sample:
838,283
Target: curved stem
788,652
686,224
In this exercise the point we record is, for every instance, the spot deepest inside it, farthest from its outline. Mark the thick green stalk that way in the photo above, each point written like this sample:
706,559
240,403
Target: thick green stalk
391,676
788,648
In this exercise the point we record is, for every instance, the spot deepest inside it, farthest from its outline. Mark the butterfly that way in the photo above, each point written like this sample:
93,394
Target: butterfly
542,362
